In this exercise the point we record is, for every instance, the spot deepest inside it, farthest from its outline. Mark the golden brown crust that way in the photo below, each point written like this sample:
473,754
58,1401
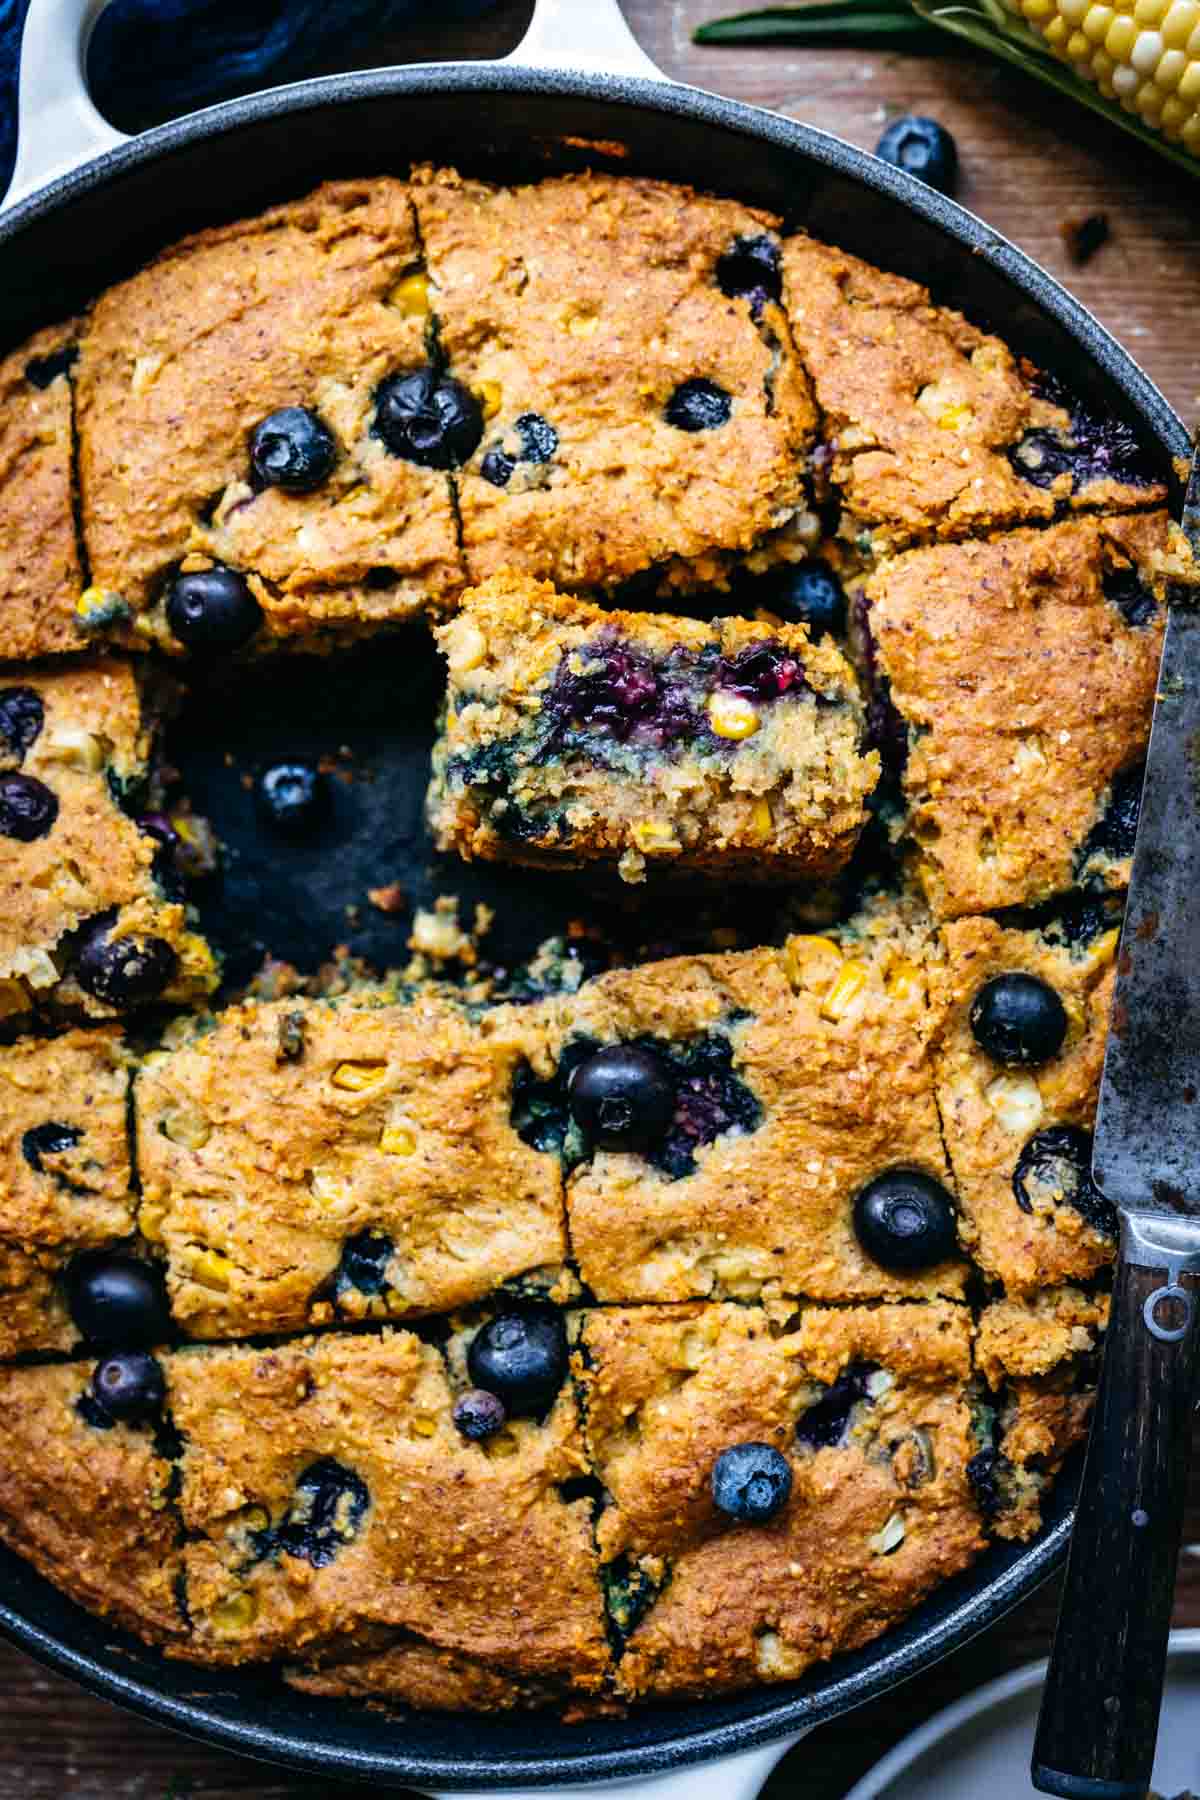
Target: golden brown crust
40,575
1025,691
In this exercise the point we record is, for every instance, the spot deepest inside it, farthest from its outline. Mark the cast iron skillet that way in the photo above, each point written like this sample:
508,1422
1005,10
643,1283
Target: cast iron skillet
110,204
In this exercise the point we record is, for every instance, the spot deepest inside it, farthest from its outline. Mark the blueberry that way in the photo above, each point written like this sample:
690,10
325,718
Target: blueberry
122,971
1117,830
129,1385
751,269
497,467
622,1098
213,609
905,1220
1057,1164
28,809
291,796
117,1299
761,672
1019,1020
327,1513
985,1472
364,1262
751,1482
292,449
1125,589
808,593
539,440
22,716
827,1419
479,1415
428,419
50,1139
922,148
157,826
698,405
522,1359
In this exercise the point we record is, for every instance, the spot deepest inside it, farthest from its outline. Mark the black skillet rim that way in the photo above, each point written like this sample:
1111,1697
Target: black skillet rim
979,1599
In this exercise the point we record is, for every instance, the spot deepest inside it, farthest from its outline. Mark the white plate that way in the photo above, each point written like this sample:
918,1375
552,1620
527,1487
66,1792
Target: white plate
981,1745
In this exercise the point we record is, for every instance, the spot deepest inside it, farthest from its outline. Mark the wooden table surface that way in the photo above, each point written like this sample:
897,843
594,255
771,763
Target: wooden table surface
1029,162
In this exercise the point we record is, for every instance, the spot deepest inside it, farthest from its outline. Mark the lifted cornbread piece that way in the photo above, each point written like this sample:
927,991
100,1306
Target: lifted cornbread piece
799,1076
1019,1136
1040,1358
635,413
306,1162
312,306
83,917
88,1504
933,428
64,1175
574,735
40,575
1022,671
327,1493
869,1408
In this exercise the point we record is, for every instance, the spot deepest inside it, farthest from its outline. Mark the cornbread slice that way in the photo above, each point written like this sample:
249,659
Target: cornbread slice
933,428
1019,677
74,742
800,1075
40,574
1040,1359
88,1504
870,1408
636,415
302,1163
329,1499
311,305
574,735
1019,1138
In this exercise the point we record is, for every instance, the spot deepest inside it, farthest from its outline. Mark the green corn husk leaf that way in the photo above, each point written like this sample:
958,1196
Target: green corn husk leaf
986,24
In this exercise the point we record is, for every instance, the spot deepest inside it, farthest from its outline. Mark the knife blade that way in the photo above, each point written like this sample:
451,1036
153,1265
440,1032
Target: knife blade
1099,1716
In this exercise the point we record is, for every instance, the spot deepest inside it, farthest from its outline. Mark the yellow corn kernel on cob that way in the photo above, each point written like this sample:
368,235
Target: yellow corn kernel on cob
1144,54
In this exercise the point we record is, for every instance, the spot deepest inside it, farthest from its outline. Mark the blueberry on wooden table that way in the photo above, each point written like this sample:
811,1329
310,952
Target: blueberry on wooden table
922,148
479,1415
212,610
28,808
428,419
291,797
698,405
751,1482
129,1385
117,1299
521,1357
22,716
807,593
292,449
905,1220
122,971
622,1098
1019,1020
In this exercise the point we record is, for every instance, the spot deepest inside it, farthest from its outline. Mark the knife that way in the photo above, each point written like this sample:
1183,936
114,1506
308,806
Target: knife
1100,1707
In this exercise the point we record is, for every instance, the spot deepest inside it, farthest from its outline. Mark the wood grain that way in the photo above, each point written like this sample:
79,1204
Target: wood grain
1029,163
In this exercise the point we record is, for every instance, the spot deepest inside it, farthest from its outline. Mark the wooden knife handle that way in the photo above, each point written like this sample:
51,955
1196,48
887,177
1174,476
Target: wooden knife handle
1099,1717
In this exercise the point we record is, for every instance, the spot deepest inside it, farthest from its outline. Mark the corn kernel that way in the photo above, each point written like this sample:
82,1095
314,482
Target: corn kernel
463,645
75,748
1078,47
762,822
212,1270
489,394
1073,11
423,1426
1180,22
397,1140
731,716
652,835
1120,37
1189,82
97,607
1037,11
1056,33
811,959
150,1222
1172,67
1149,12
848,984
411,295
1103,67
236,1614
186,1126
1096,23
1126,83
356,1077
583,325
256,1518
955,418
1174,113
1016,1101
902,978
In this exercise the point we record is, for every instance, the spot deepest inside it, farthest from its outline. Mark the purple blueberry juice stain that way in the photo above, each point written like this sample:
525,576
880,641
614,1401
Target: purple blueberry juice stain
1093,448
827,1421
886,730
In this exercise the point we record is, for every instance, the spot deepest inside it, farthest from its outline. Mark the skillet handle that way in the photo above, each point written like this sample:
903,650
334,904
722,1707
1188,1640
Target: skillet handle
58,128
585,37
1099,1718
732,1778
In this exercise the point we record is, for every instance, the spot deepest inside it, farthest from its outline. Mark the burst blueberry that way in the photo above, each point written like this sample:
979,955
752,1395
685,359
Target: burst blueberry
28,808
129,1386
117,1299
212,610
1116,832
922,148
521,1357
428,419
827,1420
22,716
751,269
49,1139
622,1098
364,1262
1055,1167
479,1415
905,1220
751,1482
1019,1020
122,971
698,405
291,797
326,1514
292,449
